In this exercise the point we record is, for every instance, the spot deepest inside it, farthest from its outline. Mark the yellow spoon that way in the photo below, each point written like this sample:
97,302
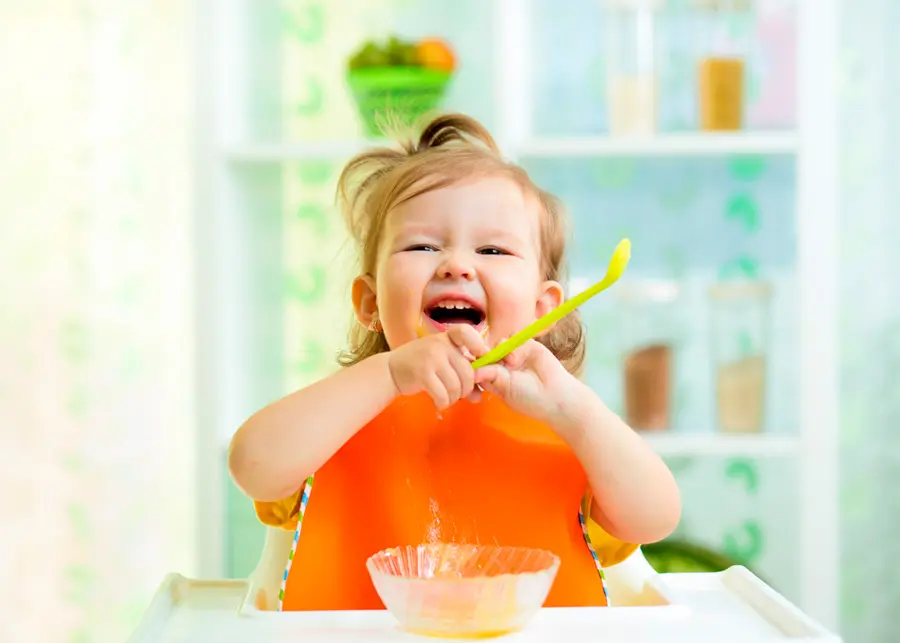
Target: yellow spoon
614,270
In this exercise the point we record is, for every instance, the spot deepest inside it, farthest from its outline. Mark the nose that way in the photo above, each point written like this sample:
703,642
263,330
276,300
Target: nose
455,266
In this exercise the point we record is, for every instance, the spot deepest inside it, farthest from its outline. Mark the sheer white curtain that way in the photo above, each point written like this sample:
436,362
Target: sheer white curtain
870,342
95,353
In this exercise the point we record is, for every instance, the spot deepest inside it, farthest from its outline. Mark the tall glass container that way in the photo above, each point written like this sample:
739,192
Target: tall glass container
725,38
740,334
632,85
648,314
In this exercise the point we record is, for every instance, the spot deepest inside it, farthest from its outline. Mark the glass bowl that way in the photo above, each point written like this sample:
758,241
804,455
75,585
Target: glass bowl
462,590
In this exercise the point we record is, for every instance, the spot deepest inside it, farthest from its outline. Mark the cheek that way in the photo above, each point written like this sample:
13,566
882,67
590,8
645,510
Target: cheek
512,298
399,295
399,280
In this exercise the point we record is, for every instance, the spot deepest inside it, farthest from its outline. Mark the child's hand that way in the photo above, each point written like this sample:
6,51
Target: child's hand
440,365
533,382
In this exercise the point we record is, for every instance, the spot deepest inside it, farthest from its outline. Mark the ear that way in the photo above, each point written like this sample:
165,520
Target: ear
364,304
550,297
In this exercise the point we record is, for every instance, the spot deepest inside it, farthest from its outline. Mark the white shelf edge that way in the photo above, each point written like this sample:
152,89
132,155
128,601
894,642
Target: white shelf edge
698,144
761,445
299,151
682,144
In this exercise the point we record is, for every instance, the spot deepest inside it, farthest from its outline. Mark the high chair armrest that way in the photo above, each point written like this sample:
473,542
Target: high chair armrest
265,579
626,581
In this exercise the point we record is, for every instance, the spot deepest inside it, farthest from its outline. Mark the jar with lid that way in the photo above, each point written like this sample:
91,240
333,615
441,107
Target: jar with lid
724,36
631,50
649,320
739,327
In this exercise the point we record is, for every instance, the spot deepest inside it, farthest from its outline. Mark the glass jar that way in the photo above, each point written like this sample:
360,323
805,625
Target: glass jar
649,317
724,36
739,327
631,65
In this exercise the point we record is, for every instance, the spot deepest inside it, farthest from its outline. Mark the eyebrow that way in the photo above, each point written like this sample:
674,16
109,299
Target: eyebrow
413,230
500,234
428,231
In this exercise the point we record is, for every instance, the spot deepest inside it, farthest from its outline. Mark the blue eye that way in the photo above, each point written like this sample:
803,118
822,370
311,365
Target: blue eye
421,247
492,251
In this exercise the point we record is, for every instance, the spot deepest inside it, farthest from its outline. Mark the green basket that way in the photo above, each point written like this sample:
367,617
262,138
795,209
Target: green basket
398,95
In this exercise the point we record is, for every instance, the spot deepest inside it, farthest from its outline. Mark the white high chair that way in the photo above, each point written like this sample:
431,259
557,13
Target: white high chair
625,582
691,608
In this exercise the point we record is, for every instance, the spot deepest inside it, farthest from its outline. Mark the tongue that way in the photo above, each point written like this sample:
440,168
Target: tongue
452,319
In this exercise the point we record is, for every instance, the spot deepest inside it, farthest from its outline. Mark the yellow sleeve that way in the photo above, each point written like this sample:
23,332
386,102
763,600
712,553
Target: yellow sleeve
280,513
611,551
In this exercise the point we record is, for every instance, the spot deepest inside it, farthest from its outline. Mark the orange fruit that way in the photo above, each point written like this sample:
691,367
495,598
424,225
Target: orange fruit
434,53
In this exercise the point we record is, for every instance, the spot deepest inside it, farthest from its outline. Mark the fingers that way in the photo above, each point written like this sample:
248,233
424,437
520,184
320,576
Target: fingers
453,379
517,358
525,354
466,337
450,380
493,379
437,390
464,371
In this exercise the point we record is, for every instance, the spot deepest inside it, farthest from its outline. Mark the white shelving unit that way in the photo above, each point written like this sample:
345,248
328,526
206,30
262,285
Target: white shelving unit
222,56
686,444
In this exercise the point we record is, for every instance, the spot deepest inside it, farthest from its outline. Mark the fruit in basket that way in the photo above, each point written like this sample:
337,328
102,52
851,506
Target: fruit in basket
369,55
400,53
429,53
434,53
400,79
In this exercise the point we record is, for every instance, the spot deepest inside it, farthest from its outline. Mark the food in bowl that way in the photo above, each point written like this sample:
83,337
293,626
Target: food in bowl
446,589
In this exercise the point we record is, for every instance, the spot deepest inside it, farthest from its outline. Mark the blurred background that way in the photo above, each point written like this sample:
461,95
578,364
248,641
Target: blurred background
172,261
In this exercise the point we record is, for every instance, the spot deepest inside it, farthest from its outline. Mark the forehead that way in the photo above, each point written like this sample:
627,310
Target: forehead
489,202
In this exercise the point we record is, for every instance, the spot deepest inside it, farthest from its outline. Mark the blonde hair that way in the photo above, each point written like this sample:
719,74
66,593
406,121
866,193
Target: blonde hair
451,148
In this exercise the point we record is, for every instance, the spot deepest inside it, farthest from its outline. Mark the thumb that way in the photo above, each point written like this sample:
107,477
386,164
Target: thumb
531,356
493,378
488,374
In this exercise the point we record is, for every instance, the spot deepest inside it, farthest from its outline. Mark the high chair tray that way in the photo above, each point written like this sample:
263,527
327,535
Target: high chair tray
733,606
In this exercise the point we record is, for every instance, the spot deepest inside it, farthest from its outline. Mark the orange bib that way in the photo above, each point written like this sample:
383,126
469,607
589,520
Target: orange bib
476,473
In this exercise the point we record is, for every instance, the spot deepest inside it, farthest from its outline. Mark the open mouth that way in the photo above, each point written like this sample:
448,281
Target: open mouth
449,312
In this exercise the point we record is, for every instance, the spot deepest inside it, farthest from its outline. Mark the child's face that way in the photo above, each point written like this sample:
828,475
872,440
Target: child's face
465,254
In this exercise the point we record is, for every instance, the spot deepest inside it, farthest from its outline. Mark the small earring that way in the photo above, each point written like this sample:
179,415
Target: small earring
375,324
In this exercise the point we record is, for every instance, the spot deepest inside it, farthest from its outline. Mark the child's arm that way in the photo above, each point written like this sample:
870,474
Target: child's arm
635,496
279,446
636,499
284,443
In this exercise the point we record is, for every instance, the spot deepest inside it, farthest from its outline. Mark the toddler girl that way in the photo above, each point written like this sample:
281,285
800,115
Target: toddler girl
410,444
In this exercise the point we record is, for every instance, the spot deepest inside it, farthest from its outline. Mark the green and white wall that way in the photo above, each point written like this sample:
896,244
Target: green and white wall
694,221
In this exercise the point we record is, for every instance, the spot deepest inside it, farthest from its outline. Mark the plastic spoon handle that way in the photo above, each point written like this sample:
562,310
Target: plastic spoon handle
616,267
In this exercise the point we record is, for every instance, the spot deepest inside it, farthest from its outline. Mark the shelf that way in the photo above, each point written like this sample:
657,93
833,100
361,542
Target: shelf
689,144
299,151
761,445
664,145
